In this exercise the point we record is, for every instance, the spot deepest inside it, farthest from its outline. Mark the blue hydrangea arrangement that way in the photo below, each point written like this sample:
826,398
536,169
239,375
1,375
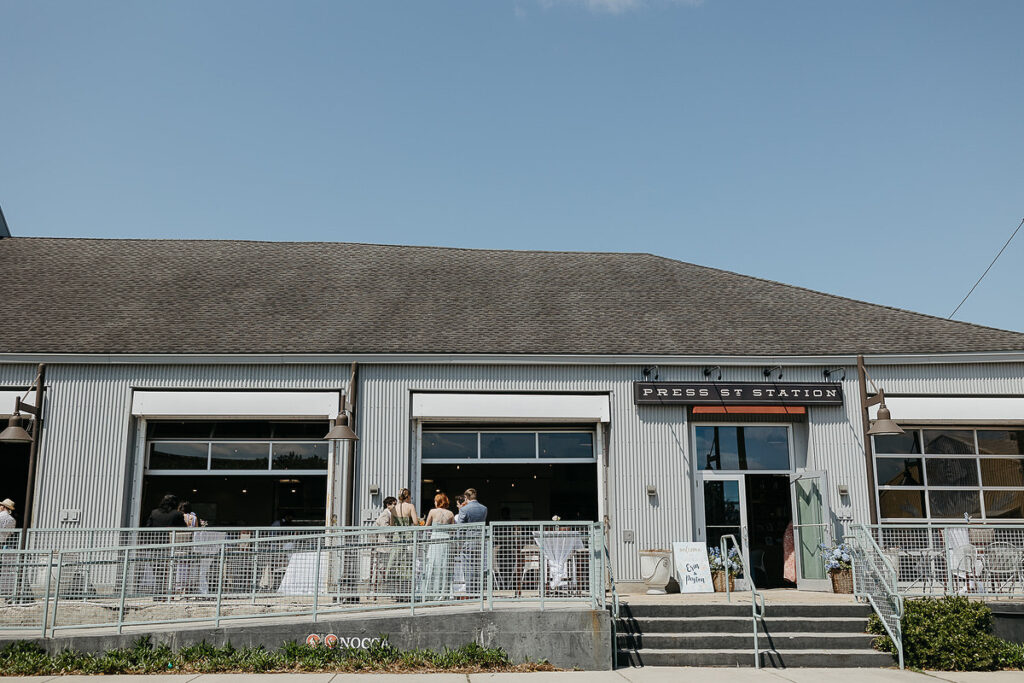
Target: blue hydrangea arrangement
733,563
836,557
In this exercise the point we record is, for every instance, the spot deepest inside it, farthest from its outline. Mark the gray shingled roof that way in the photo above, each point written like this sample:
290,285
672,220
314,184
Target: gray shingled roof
197,296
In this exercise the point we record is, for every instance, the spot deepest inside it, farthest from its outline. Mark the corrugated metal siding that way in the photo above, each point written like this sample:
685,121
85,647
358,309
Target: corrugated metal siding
87,451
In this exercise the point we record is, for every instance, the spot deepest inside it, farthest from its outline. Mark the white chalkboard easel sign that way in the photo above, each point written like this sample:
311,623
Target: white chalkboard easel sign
692,569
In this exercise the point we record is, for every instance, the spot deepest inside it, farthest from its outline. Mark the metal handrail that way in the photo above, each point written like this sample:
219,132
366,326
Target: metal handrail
887,578
757,608
615,609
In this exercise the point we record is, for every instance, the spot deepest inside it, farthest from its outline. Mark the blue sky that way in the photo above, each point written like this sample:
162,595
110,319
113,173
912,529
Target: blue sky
871,149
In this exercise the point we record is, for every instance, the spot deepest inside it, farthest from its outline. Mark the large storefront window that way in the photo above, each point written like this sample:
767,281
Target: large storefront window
519,474
239,472
947,473
743,448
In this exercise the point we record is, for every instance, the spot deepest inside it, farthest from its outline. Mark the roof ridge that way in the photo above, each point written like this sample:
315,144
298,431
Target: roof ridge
353,244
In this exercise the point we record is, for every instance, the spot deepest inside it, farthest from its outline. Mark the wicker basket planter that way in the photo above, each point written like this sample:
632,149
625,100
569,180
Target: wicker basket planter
718,578
842,580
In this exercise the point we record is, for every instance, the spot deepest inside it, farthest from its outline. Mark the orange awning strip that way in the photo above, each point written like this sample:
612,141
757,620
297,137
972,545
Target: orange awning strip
749,410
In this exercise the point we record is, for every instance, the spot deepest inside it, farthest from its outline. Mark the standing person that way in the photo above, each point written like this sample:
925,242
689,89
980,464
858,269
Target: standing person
188,571
386,517
166,514
405,511
436,582
471,510
473,563
8,539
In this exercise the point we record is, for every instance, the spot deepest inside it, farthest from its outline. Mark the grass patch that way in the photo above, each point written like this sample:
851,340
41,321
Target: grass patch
23,658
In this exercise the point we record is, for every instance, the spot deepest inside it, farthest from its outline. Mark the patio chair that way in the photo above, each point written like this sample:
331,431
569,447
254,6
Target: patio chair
1002,564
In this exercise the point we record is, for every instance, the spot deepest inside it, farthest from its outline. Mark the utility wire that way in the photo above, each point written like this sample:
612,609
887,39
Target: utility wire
986,270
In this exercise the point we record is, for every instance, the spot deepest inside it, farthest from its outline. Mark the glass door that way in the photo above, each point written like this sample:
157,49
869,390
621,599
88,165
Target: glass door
722,509
811,528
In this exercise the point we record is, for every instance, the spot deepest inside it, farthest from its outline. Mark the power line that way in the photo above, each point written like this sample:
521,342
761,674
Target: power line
986,270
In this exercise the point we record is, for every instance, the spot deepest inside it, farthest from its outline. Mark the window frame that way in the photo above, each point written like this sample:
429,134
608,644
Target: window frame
980,489
536,459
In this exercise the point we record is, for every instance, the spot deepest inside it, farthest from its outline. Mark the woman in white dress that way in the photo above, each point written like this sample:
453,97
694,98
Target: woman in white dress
437,583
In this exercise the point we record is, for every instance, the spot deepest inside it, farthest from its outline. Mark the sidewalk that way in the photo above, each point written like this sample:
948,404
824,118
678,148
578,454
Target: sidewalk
642,675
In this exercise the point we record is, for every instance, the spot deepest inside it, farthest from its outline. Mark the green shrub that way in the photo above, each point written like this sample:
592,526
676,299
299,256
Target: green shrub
949,634
24,658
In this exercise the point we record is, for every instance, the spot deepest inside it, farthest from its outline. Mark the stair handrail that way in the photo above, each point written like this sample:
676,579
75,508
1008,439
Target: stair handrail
872,568
757,608
615,601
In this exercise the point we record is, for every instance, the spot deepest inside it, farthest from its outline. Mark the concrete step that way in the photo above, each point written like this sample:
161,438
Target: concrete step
685,611
737,641
745,658
741,624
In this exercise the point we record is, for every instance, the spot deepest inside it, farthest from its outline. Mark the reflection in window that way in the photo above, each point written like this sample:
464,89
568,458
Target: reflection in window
949,441
177,456
901,504
508,445
899,472
1001,442
299,456
898,444
954,503
742,448
1004,504
1002,471
453,445
952,471
239,456
571,445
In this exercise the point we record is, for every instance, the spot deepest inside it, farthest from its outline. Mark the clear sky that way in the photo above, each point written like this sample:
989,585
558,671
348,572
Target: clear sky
869,149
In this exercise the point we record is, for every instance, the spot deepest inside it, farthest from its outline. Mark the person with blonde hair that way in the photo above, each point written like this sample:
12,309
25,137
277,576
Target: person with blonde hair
405,512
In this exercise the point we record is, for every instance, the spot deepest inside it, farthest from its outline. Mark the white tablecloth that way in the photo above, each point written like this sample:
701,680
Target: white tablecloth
300,575
558,547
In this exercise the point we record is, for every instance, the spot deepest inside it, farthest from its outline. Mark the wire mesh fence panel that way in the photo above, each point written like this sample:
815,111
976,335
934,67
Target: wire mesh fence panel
875,579
985,560
211,575
542,561
26,584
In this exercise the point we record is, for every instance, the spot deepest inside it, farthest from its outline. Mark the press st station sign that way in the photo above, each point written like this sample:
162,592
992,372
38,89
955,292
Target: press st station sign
737,393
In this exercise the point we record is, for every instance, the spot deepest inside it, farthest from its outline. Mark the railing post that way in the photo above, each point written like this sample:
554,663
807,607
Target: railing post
725,565
316,577
220,586
124,588
489,535
485,568
46,595
543,569
412,573
255,564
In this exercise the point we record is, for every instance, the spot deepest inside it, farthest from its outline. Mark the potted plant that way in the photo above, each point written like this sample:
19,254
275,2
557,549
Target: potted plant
838,560
730,566
656,570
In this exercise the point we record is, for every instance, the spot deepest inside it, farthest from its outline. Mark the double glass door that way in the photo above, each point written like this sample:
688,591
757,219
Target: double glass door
723,507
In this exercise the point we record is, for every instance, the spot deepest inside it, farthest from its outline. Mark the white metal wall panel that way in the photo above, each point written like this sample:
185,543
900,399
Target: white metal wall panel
87,447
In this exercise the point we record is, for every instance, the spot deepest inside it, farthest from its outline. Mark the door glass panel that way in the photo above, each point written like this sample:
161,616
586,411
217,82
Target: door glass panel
1002,472
722,512
949,441
1001,442
899,472
898,444
449,445
240,456
570,445
810,517
1004,504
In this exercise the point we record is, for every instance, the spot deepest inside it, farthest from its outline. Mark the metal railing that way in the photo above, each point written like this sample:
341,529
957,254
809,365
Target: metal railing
757,608
876,580
213,575
977,560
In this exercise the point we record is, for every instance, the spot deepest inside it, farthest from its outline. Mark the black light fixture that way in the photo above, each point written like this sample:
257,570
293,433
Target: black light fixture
827,374
710,369
768,372
648,371
341,431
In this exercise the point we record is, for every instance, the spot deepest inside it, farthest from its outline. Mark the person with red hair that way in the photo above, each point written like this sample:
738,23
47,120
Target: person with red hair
437,583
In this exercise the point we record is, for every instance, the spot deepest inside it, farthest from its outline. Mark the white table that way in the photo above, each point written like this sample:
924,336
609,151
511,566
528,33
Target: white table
557,547
300,575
